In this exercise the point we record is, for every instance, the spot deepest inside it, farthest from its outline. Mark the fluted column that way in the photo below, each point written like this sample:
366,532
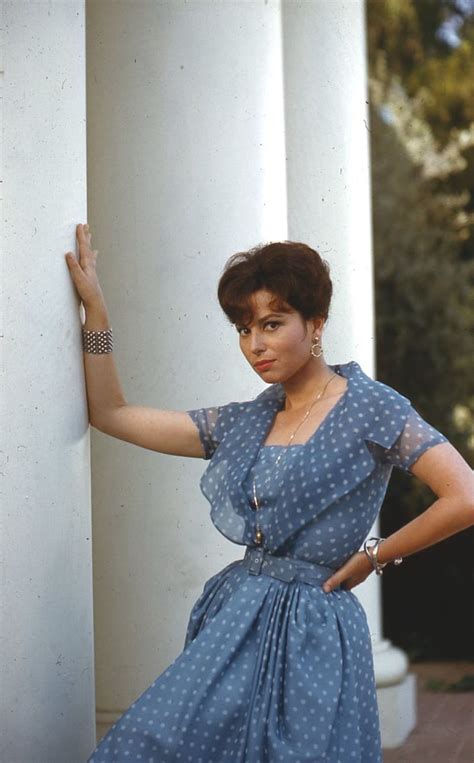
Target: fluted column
46,628
186,166
329,206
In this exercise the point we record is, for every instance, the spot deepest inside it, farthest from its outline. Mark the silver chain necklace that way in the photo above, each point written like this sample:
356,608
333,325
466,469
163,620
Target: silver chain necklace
258,532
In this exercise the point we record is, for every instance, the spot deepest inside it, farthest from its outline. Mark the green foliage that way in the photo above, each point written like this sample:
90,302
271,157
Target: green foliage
448,88
404,34
422,146
465,684
424,295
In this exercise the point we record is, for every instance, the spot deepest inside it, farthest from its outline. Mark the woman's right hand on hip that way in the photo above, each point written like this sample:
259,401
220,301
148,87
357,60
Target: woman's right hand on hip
83,272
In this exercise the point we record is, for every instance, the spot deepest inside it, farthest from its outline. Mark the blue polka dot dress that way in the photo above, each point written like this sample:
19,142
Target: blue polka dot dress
273,669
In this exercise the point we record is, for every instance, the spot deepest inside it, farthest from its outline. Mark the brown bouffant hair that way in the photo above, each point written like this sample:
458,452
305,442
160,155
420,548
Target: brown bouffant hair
294,272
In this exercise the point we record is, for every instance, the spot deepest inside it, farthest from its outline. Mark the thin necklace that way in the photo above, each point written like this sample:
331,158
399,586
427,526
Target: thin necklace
259,537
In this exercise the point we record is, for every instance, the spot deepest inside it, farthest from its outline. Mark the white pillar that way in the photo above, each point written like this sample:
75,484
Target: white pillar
186,166
46,628
197,112
329,207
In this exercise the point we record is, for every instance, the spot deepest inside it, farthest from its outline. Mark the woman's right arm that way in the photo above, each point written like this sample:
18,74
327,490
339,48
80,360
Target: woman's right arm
172,432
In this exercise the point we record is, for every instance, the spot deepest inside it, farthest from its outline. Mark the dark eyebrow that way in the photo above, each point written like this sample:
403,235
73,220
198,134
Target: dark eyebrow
266,317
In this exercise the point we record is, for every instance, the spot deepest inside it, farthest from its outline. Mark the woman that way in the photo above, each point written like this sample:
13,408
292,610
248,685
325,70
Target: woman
277,663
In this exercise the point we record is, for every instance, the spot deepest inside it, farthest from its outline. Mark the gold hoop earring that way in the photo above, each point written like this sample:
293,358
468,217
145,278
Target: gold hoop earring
315,345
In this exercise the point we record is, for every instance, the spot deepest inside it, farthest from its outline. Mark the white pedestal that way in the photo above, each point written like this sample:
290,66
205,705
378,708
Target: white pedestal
397,710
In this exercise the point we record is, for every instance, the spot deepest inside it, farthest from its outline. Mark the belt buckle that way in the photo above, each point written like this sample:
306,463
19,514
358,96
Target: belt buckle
257,556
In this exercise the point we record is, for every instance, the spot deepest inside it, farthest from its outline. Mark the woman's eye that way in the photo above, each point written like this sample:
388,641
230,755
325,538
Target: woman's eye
242,329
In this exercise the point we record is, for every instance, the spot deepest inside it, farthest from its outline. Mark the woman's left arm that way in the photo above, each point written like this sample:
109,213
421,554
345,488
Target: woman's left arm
451,478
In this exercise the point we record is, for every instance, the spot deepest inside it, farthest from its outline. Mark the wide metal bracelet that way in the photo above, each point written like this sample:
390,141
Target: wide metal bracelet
97,342
372,552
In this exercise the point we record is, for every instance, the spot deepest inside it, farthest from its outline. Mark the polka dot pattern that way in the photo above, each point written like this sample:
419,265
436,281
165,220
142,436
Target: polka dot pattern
273,669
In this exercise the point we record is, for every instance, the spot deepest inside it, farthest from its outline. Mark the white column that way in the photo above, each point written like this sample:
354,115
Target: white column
329,207
186,167
46,628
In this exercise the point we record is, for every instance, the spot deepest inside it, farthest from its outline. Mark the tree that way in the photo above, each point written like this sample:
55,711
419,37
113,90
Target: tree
422,146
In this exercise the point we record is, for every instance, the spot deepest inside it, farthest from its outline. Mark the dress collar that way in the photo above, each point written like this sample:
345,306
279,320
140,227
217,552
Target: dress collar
347,370
330,469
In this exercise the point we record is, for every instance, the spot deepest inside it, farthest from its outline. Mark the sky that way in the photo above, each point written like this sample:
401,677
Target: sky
448,31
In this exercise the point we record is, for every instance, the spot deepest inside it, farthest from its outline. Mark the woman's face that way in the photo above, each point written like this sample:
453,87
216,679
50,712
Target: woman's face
284,338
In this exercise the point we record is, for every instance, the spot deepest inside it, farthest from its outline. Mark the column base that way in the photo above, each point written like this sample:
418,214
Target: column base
397,710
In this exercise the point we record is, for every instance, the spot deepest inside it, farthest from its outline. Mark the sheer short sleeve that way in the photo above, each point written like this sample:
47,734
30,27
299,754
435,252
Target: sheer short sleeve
212,423
205,419
416,437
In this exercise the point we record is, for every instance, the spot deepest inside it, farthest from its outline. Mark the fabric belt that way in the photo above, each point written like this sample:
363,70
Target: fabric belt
258,561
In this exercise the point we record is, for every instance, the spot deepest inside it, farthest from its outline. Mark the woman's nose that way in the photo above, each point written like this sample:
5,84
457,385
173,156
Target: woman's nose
257,342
